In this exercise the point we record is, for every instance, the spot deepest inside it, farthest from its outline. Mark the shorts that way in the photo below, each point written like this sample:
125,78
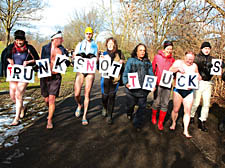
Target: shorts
183,93
50,85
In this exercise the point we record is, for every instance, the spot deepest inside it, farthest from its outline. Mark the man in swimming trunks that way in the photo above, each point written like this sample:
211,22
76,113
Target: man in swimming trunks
185,66
89,49
50,85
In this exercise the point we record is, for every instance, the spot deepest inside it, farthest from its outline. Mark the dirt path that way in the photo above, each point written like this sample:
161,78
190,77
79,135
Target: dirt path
99,145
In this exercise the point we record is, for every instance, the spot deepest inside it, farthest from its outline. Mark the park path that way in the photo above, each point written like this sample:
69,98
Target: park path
98,145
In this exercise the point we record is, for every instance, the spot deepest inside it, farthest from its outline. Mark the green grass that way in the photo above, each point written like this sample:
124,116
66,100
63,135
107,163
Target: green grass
67,78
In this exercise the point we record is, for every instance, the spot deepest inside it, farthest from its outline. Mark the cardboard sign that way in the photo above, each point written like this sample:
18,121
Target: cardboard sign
84,65
78,64
44,68
114,70
19,73
90,65
105,75
149,82
133,81
181,81
187,81
59,65
104,64
9,73
193,81
216,69
28,75
166,79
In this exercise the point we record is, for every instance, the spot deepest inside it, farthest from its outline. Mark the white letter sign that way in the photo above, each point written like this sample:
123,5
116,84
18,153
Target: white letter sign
114,70
149,82
44,68
166,79
104,64
216,69
59,64
133,81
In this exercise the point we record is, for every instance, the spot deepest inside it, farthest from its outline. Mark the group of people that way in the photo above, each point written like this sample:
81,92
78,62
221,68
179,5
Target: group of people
22,53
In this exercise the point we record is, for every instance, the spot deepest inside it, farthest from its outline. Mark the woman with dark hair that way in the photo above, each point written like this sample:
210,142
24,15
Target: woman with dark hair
139,63
109,86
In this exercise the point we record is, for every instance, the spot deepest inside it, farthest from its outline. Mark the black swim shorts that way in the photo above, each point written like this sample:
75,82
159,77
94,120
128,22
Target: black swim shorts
50,85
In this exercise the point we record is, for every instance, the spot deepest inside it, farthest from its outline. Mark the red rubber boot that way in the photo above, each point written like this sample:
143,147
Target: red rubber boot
162,115
154,112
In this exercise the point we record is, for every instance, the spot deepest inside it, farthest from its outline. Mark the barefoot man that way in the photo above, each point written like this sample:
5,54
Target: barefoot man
50,85
184,96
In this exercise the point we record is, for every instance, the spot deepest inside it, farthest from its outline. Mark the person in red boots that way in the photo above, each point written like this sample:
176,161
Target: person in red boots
162,61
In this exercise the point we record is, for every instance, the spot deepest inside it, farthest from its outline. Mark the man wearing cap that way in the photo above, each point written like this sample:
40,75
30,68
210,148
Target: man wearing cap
19,53
203,60
86,48
162,61
50,85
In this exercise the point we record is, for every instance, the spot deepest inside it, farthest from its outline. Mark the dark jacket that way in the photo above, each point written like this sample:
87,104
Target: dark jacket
142,67
7,53
46,51
204,63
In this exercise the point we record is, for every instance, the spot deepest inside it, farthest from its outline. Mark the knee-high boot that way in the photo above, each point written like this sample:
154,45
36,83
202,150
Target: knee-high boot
162,115
154,112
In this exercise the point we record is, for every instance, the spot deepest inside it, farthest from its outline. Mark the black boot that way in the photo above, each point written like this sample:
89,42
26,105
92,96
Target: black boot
202,126
192,120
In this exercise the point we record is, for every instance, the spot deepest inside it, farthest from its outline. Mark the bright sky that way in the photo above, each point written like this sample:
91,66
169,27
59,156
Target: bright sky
59,12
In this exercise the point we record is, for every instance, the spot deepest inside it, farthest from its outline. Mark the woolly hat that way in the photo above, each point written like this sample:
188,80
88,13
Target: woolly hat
205,44
167,43
88,30
19,34
57,35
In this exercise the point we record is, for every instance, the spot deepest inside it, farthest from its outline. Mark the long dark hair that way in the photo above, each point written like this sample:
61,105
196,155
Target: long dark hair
115,46
134,52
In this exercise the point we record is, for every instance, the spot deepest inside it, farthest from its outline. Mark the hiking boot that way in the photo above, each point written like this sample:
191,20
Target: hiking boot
192,120
202,126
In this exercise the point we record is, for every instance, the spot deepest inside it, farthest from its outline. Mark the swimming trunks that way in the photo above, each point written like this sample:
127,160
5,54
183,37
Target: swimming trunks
183,93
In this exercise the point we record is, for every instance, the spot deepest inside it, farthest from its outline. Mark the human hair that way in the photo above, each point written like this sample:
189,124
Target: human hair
190,52
134,52
167,43
115,46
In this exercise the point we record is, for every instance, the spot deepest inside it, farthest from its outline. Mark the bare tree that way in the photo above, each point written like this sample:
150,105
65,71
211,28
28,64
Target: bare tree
74,31
17,12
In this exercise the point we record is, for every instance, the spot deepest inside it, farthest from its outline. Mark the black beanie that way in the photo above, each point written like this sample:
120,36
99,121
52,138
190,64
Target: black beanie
167,43
205,44
19,34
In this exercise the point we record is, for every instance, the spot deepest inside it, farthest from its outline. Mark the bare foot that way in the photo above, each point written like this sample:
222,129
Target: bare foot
15,123
173,126
49,125
23,112
187,135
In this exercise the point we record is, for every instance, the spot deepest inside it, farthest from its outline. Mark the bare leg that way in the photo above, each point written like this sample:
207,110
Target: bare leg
51,111
88,85
177,100
20,89
77,89
12,90
188,101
